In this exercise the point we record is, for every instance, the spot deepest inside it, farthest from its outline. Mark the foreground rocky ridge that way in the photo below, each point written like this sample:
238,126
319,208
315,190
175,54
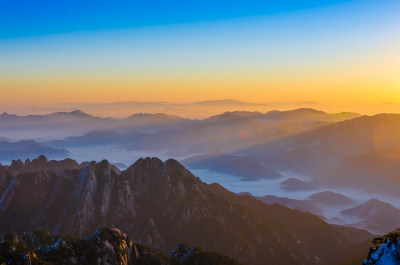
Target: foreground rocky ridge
161,204
107,245
385,250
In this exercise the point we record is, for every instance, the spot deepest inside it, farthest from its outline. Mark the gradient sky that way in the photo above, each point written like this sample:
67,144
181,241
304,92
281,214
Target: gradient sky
181,51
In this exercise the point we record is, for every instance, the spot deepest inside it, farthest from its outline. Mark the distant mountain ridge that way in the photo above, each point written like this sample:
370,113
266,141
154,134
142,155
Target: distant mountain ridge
360,153
161,204
247,168
375,215
29,149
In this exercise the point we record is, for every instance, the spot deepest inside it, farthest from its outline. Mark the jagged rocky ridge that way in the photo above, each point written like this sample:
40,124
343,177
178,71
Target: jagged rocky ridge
107,245
161,204
385,250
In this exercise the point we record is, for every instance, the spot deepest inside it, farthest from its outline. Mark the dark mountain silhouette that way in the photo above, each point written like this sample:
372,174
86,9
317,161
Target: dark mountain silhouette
92,138
246,167
54,125
233,115
374,215
301,205
302,115
64,124
229,131
330,198
306,115
361,153
294,184
161,204
29,149
320,146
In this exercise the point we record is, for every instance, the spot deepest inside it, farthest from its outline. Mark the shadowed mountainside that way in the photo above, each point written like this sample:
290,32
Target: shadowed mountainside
361,153
161,204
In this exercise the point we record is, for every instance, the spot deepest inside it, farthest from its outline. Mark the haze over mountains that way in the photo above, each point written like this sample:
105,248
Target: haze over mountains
194,110
286,154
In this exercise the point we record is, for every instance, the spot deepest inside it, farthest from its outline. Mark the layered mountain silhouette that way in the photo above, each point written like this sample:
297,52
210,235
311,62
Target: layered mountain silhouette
295,184
329,198
374,215
161,204
360,153
265,126
29,149
246,167
330,142
60,125
301,205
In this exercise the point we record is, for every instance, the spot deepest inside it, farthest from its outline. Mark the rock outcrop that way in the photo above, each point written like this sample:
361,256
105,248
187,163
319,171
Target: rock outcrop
161,204
107,246
385,250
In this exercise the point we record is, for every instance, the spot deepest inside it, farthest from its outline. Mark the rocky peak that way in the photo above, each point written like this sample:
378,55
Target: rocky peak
111,246
148,164
17,165
153,170
42,164
159,204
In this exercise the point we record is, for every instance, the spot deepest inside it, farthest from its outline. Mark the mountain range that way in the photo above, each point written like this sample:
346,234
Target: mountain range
374,215
161,204
231,164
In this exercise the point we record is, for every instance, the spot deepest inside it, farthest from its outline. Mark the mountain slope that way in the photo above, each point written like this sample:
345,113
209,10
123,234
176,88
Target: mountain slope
294,184
243,166
375,215
330,198
322,145
301,205
162,204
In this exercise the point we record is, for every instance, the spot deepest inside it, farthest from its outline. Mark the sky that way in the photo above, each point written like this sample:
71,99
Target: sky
328,51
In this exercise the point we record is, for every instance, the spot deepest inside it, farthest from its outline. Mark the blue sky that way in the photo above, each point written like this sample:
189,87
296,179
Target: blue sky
31,18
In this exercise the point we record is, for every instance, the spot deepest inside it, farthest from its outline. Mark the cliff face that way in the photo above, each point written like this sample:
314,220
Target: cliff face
160,205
